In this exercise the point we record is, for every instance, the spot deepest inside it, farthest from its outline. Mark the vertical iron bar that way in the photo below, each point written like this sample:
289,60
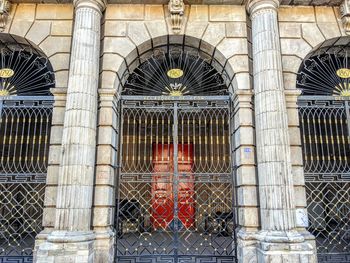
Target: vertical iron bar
1,122
1,106
175,180
232,145
347,110
119,171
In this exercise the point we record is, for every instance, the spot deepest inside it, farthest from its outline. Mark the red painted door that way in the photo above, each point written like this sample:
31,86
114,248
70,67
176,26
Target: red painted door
162,213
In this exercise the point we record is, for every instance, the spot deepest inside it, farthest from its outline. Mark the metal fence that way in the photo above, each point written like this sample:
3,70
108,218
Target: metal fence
325,131
24,143
175,200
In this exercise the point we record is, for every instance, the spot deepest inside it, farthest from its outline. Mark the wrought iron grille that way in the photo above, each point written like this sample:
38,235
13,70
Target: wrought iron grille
325,71
24,68
175,200
25,132
176,72
325,131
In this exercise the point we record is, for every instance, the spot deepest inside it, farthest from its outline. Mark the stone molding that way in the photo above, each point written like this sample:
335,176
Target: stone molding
176,9
242,98
5,7
345,15
292,97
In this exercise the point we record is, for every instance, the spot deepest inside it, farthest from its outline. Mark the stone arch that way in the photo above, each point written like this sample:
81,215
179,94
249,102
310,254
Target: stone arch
118,54
219,61
224,56
310,37
50,28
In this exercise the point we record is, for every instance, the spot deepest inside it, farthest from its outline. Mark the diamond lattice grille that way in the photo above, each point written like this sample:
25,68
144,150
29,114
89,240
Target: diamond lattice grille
324,124
175,192
24,130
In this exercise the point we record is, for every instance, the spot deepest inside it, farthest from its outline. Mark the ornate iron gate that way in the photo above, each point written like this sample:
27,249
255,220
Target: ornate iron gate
175,195
24,142
325,130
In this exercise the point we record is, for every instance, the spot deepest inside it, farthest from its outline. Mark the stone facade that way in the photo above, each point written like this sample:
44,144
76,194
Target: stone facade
89,64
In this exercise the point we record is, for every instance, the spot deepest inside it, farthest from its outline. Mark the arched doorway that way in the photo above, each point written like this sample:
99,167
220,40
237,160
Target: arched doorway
26,77
175,189
324,114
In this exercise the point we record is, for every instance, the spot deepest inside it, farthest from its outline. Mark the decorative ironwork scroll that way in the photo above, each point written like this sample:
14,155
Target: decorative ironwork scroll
175,73
175,199
25,124
325,131
326,71
24,69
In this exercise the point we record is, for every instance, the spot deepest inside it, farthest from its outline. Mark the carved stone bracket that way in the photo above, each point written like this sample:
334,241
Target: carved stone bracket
345,15
176,9
5,6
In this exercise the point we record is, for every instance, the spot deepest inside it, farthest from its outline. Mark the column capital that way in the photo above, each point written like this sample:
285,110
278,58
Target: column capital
99,5
256,5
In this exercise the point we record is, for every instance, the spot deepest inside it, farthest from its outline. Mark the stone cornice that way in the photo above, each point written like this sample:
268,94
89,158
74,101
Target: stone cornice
195,2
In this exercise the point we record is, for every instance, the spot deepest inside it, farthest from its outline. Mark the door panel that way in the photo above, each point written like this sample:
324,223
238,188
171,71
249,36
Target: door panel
163,192
162,210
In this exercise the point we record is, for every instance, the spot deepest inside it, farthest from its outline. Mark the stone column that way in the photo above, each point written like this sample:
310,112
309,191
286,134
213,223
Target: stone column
278,239
72,238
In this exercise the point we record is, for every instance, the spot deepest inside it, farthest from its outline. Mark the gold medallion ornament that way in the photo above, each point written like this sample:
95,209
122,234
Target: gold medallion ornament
175,73
4,93
343,73
6,73
343,89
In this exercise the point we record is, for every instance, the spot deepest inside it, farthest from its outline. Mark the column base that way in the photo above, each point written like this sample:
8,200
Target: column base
66,246
246,246
40,239
104,246
281,247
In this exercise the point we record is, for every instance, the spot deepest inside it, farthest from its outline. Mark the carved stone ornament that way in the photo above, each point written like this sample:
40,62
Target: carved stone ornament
4,13
345,15
176,9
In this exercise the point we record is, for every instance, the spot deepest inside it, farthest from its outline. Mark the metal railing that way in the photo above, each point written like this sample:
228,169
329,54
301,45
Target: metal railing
325,131
25,124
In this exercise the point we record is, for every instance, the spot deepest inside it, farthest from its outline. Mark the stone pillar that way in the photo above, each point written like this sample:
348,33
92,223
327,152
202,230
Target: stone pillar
278,239
246,175
72,239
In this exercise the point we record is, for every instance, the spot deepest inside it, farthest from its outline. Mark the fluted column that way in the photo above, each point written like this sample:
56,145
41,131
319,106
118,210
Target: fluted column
76,176
276,191
273,147
77,162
